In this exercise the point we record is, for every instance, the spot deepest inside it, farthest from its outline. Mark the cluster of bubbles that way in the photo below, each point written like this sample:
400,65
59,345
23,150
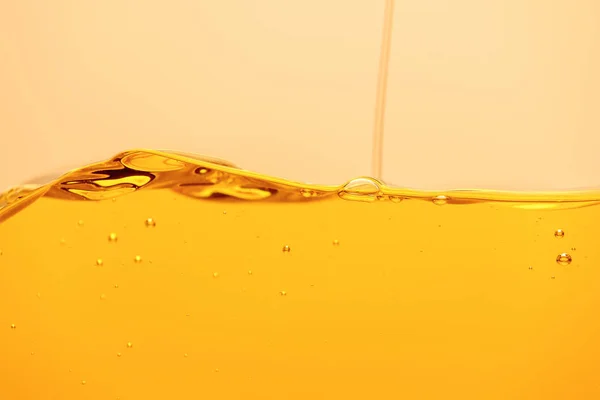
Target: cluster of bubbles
563,259
364,189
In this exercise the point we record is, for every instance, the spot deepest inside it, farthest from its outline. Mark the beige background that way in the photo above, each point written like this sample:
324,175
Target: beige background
496,94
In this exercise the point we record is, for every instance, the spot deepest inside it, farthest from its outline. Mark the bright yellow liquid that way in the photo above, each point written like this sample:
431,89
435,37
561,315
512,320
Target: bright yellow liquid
380,293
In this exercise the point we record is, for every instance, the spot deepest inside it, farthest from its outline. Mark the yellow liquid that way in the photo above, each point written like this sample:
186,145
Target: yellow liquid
160,276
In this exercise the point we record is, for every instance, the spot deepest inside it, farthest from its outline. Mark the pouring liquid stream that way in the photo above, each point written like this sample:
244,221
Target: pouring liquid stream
381,90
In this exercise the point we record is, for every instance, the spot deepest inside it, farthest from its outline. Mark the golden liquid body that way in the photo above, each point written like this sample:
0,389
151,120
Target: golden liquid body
161,276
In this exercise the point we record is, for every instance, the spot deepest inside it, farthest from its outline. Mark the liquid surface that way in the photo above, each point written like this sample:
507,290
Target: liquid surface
162,276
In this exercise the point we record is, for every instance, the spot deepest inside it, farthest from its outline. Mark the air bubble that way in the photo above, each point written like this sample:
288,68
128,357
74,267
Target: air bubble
530,267
83,382
360,189
112,237
102,296
99,262
249,272
308,193
559,234
203,170
185,355
13,326
440,200
286,249
336,242
395,199
150,223
138,259
80,222
116,286
63,241
283,293
215,274
564,259
129,345
216,177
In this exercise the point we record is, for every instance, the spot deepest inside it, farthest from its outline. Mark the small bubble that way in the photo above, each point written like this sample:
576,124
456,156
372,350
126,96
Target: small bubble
573,248
564,259
102,296
13,326
83,382
216,177
112,237
185,355
361,189
440,200
39,295
395,199
118,354
308,193
552,277
336,242
138,259
559,234
80,222
215,274
530,267
249,272
114,199
286,249
99,262
283,293
63,241
224,212
129,345
150,223
116,286
216,369
33,353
